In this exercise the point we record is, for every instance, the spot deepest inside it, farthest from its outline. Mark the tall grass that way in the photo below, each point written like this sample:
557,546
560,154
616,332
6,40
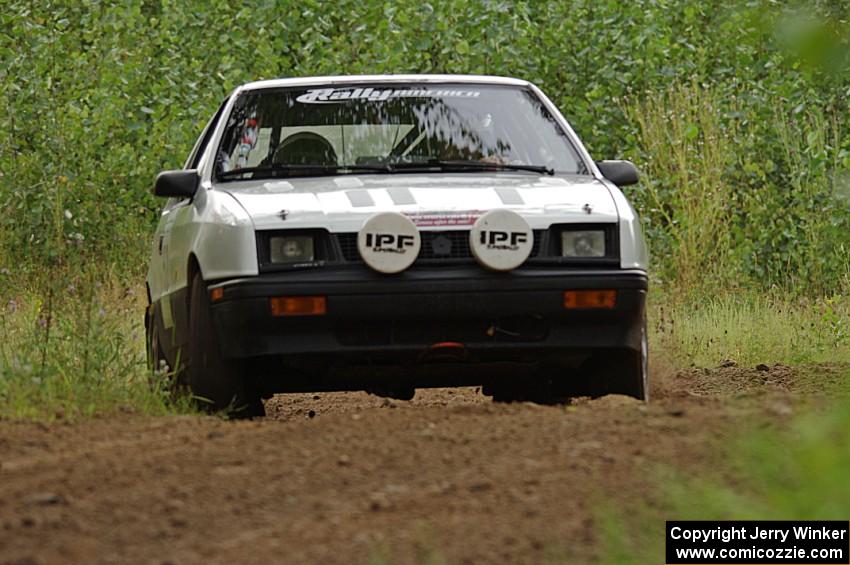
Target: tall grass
731,202
71,348
750,328
687,154
810,158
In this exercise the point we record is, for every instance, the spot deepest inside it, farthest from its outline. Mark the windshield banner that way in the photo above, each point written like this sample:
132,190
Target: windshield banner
336,95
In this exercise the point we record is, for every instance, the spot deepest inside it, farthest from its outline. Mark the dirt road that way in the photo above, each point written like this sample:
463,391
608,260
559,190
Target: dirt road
352,478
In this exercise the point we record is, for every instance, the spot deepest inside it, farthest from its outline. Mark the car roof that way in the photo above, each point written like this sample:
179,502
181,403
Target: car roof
389,79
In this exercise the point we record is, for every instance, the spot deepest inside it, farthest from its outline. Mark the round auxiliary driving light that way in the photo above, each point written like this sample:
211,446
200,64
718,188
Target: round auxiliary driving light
389,242
501,240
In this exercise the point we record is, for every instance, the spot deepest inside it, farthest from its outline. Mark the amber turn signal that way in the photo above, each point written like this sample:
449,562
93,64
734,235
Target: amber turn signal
216,294
580,299
298,306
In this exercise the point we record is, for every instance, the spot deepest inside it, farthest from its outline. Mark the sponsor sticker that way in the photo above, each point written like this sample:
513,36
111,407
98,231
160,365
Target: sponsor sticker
389,242
338,95
501,240
435,219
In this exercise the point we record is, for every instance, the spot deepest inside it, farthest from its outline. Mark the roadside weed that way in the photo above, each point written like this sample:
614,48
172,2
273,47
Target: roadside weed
750,328
74,349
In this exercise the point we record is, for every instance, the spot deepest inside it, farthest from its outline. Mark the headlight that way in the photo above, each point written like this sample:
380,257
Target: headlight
291,249
584,243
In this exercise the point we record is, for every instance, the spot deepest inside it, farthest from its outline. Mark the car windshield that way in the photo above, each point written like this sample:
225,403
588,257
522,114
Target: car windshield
392,127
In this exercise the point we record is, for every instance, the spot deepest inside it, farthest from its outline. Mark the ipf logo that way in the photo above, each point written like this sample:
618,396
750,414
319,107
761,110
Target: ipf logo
389,242
496,239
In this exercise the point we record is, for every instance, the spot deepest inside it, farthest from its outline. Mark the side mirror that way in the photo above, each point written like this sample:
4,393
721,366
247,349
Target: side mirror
178,184
621,173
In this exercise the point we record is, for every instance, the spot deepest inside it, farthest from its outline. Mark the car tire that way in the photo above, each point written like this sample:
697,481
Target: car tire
162,377
541,388
155,357
626,372
217,384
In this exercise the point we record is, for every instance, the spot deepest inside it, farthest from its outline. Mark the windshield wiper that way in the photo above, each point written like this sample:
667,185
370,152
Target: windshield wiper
444,165
288,169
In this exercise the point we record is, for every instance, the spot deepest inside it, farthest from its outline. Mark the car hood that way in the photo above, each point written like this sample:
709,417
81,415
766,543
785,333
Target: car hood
343,203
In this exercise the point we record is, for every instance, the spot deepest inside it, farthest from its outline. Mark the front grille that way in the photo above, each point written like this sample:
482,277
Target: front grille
436,245
348,246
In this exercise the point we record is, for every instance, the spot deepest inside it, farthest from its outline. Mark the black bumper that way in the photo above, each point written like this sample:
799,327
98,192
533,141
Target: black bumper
496,316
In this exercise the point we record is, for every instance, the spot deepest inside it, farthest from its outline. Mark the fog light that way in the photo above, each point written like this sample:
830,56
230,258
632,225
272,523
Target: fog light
298,306
579,299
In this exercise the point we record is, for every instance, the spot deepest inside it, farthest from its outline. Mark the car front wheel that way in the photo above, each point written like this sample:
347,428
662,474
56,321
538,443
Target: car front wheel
217,383
624,372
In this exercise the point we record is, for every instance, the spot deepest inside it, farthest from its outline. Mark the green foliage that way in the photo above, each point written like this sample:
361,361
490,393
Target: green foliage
70,349
686,155
727,200
100,96
750,328
799,474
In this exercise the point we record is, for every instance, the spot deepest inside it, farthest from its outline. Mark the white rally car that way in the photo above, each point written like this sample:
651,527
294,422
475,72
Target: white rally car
384,233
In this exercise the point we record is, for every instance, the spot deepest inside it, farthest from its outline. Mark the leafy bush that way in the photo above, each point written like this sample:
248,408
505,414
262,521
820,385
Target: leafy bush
687,195
722,205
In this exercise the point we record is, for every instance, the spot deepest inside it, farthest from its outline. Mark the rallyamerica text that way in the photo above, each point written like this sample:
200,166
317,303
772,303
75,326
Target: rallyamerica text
726,535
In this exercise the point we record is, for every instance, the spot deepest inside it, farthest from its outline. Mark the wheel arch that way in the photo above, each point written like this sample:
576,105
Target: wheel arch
193,267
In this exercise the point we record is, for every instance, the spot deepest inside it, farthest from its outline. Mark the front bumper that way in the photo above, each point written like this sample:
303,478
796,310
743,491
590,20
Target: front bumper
371,318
